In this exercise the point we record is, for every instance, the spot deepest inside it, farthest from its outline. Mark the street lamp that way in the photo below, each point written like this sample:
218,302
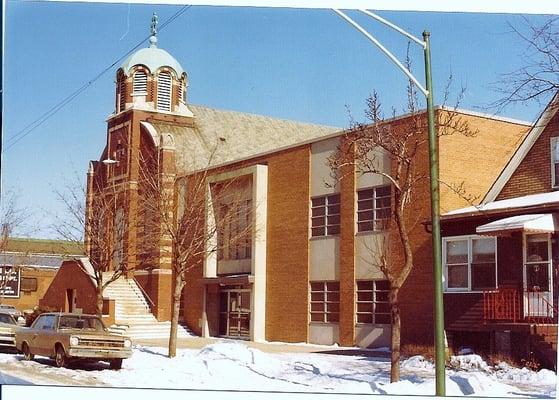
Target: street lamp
434,182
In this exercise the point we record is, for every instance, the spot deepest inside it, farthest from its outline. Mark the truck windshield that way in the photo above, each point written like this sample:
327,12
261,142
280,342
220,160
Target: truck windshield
80,322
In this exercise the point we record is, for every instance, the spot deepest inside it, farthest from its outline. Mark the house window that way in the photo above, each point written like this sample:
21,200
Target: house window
470,263
325,302
164,89
538,260
372,302
28,284
325,215
140,83
555,162
373,209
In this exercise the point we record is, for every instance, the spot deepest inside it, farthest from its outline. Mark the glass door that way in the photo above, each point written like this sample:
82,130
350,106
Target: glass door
538,285
234,318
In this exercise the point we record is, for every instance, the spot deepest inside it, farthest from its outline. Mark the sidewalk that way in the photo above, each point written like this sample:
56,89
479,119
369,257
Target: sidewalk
196,342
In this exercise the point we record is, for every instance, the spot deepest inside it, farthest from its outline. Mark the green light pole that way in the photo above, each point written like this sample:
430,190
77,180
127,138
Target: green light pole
434,181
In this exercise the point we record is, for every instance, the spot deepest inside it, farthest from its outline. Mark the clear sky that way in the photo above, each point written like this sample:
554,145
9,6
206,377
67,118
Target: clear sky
305,65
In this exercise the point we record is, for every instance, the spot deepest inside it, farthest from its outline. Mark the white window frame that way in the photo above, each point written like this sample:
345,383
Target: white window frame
136,83
164,99
554,143
469,238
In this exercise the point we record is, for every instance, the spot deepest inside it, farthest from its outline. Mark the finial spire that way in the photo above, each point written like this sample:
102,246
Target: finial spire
153,37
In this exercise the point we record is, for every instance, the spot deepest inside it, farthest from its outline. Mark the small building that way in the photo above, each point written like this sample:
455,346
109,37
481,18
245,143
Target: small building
501,258
28,266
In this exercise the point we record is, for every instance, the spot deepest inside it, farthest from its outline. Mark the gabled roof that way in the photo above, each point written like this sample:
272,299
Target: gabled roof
523,149
218,137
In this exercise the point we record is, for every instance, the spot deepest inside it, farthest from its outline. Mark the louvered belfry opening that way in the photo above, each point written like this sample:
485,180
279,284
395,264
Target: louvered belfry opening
164,87
140,85
121,94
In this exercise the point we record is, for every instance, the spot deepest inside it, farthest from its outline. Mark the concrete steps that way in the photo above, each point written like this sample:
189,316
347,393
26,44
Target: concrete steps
133,316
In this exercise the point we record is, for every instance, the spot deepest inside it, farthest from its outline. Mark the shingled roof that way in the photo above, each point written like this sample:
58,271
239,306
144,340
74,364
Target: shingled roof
220,137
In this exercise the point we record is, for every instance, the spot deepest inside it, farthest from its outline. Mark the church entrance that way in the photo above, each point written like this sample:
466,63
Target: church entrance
234,312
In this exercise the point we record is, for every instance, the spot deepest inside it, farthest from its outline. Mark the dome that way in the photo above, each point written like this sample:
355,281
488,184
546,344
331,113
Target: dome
153,58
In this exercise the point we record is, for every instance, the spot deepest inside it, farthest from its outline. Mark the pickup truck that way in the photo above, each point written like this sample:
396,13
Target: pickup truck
67,337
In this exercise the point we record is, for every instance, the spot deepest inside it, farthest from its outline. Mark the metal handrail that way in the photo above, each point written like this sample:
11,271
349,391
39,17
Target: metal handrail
548,307
150,301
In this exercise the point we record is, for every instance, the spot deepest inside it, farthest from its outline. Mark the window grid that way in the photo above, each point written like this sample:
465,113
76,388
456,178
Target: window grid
372,302
325,215
373,208
325,301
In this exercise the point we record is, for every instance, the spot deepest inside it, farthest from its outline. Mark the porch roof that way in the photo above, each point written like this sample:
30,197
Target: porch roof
530,223
528,203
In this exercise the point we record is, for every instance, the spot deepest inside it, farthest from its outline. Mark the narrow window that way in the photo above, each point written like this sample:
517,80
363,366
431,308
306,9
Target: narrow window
373,209
140,83
121,94
325,215
555,162
164,88
325,302
372,302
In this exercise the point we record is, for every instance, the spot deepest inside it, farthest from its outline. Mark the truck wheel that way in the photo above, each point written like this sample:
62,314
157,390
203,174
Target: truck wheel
116,364
60,358
27,355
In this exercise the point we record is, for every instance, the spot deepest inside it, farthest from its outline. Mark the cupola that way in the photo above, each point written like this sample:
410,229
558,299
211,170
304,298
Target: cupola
152,79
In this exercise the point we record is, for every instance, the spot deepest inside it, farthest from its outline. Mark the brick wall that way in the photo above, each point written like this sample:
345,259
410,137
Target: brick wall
287,292
28,300
533,175
70,276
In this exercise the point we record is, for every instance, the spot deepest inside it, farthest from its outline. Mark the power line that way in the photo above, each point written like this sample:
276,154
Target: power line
14,139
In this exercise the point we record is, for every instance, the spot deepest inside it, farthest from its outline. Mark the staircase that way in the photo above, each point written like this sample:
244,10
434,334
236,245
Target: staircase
132,309
544,342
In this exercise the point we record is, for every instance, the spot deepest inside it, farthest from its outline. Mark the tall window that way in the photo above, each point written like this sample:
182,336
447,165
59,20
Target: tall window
470,263
538,262
325,215
235,234
372,302
140,83
373,209
164,89
325,302
555,162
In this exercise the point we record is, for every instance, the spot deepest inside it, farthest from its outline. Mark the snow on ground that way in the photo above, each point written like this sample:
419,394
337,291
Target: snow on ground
230,365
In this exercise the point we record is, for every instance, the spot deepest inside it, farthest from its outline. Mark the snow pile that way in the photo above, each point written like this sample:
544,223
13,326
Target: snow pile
524,375
416,362
470,362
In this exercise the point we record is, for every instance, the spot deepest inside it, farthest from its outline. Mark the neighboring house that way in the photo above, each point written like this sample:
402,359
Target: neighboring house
501,258
306,273
28,267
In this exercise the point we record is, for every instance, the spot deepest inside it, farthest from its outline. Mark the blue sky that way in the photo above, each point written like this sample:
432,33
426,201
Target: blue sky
306,65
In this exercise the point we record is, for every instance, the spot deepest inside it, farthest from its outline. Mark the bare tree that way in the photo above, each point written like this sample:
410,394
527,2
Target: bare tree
538,77
194,218
12,218
362,151
94,219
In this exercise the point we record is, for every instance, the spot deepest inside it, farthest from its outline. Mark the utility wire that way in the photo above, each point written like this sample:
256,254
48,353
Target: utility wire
14,139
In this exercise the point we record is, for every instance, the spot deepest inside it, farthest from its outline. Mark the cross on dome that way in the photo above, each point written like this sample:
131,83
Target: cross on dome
153,37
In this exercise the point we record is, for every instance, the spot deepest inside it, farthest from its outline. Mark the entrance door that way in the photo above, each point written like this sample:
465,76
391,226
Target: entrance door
538,285
234,318
70,301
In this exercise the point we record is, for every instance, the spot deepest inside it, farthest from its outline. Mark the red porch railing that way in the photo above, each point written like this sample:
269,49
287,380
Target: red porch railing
501,305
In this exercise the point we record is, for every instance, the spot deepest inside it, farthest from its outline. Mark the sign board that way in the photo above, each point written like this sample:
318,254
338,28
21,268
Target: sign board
9,281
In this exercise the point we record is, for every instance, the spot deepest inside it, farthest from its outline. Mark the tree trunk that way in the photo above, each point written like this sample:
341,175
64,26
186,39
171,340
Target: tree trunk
175,307
395,334
99,304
